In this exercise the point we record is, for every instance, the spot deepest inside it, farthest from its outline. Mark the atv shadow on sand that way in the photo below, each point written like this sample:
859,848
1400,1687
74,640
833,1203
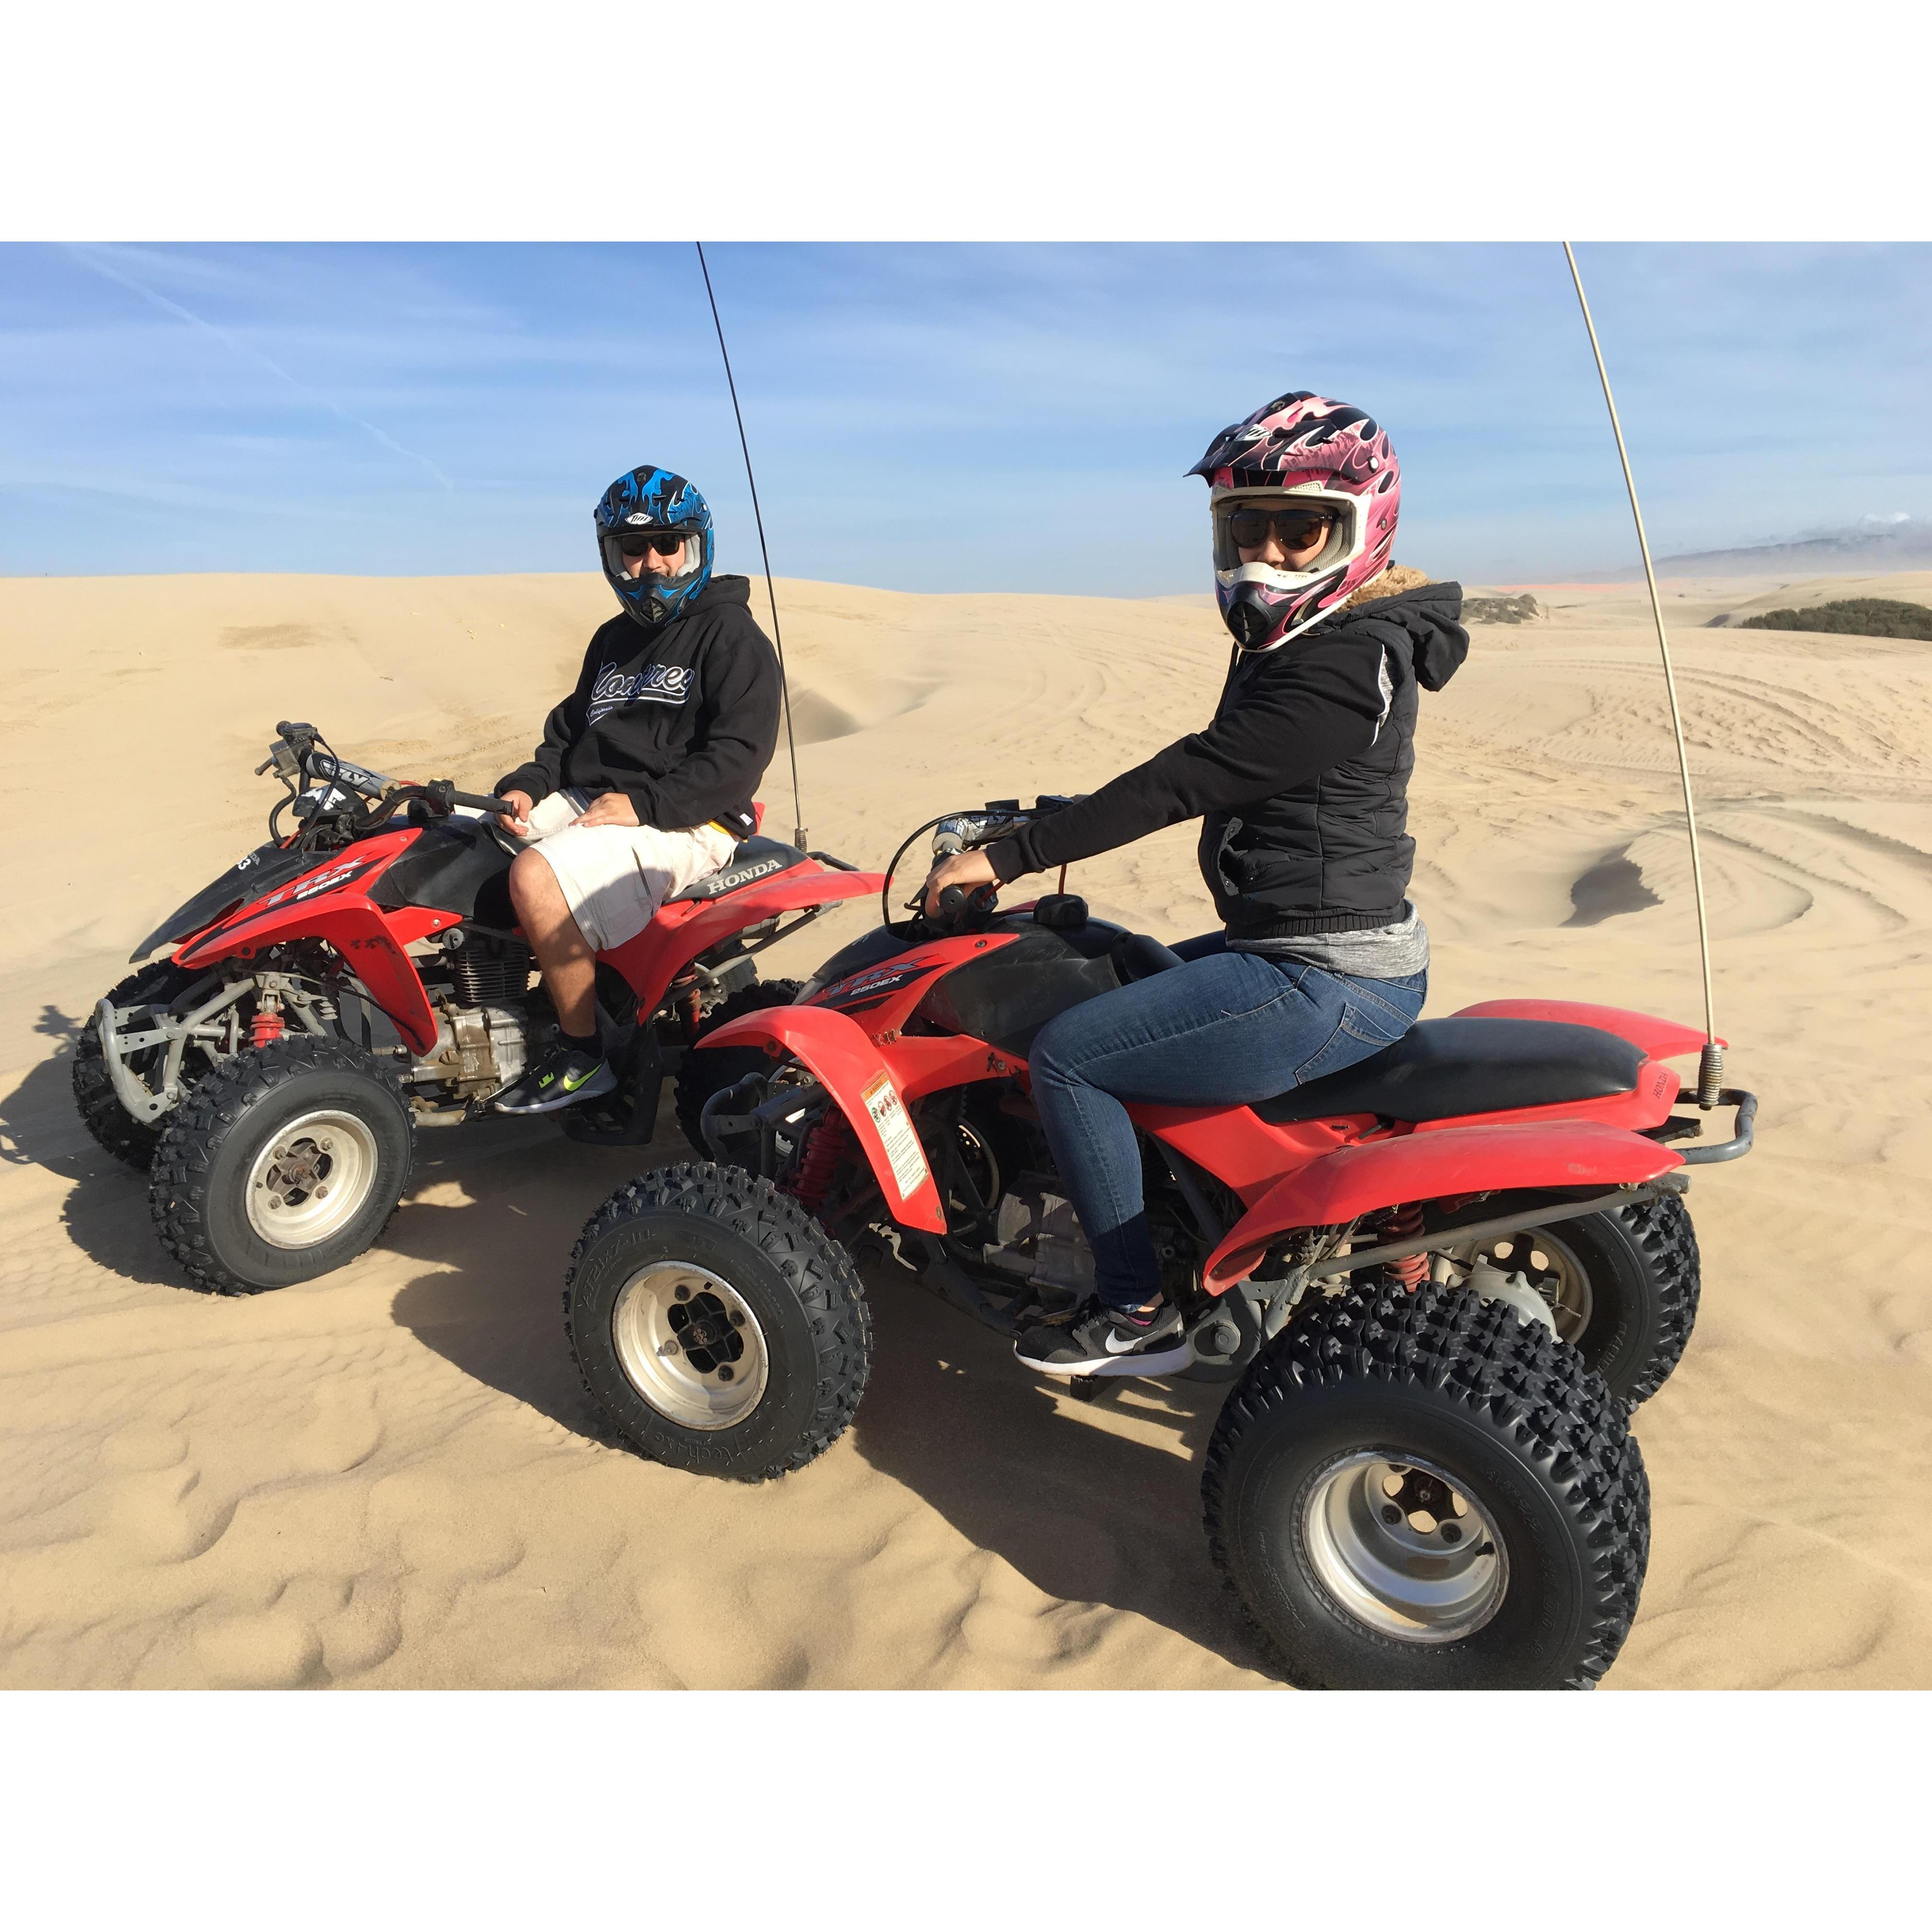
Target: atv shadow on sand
102,1212
1085,1512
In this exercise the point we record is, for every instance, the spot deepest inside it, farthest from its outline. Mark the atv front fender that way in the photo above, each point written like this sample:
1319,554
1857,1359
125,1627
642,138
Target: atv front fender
1374,1175
371,942
847,1065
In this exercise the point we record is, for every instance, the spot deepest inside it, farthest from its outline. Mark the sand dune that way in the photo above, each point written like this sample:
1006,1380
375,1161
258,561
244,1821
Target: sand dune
391,1477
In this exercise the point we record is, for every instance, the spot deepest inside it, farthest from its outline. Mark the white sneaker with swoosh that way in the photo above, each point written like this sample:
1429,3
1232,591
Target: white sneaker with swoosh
1098,1340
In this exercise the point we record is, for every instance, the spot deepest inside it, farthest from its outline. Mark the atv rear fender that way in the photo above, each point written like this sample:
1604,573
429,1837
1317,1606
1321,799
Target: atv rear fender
1359,1180
371,942
1662,1039
685,928
847,1065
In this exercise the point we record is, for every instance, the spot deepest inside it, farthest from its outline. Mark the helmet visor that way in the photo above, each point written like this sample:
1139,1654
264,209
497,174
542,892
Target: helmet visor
1300,532
669,554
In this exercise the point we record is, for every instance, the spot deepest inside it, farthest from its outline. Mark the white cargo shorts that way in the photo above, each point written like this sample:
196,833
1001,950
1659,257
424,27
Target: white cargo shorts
614,877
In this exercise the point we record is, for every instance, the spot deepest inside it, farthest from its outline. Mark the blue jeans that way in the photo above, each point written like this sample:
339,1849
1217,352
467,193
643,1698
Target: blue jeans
1227,1028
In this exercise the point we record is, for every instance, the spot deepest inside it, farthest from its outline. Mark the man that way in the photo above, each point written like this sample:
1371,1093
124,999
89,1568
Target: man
642,784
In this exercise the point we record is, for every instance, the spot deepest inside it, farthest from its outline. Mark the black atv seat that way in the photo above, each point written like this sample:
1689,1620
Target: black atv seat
755,859
1442,1069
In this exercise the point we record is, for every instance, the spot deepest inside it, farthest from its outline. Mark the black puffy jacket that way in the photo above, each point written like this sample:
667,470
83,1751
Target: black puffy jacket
1301,780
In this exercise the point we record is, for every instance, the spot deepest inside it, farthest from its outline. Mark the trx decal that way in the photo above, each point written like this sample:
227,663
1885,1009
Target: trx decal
306,889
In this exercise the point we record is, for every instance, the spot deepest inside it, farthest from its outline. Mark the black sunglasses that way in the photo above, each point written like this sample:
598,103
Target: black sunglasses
1294,529
635,544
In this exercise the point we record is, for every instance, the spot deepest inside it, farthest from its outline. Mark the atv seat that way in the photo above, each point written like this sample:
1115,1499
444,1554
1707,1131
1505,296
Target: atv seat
755,859
1440,1069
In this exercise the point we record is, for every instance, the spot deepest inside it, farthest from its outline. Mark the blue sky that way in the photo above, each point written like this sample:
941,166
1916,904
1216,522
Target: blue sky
933,418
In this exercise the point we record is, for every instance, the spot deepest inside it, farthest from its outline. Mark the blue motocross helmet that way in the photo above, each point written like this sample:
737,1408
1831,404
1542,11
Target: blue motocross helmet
654,509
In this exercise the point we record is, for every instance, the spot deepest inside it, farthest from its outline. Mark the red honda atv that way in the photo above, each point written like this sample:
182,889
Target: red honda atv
364,968
1438,1279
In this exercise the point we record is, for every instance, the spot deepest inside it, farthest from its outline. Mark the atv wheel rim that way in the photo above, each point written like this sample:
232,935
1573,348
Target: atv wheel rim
690,1345
1400,1549
311,1178
1551,1267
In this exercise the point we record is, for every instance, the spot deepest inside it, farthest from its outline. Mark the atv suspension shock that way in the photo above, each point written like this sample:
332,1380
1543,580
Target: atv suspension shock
825,1147
267,1026
1404,1223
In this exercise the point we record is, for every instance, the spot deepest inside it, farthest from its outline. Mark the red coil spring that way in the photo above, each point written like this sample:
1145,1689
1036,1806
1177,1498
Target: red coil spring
1404,1224
266,1027
823,1150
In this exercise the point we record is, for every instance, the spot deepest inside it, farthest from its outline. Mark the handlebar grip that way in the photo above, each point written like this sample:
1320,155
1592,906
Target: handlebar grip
957,905
501,807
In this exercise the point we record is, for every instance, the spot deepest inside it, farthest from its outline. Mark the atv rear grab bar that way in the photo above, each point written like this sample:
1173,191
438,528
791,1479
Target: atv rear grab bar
1745,1124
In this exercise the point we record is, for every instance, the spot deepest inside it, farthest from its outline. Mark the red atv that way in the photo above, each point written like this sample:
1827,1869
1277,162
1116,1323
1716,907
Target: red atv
1438,1279
363,968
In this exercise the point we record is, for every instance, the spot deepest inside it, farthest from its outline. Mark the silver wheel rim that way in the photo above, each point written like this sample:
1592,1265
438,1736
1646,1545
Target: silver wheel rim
688,1343
1423,1576
311,1178
1551,1267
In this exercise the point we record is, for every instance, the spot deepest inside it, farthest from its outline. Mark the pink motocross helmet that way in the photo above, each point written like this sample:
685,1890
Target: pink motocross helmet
1299,451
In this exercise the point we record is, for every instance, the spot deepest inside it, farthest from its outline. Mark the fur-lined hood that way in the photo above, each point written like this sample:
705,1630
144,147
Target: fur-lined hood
1392,583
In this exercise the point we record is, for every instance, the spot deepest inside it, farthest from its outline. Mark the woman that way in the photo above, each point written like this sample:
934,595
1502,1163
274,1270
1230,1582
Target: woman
1301,781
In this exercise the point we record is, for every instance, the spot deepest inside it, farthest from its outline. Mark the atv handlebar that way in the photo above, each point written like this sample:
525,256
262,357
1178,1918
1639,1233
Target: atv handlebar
963,911
328,793
500,808
964,832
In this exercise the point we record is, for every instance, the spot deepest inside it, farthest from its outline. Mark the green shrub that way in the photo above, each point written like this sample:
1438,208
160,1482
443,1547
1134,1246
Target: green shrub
1523,609
1861,616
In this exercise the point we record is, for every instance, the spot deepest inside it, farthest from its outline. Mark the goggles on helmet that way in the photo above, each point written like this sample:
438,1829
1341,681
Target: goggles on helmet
621,546
667,543
1291,520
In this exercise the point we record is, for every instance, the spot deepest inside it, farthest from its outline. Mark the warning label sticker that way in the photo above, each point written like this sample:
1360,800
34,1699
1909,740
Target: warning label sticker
895,1129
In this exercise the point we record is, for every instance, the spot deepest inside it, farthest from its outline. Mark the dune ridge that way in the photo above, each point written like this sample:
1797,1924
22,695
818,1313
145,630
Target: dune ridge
391,1477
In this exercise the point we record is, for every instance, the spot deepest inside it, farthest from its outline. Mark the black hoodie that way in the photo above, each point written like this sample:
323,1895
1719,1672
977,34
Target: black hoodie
682,719
1301,780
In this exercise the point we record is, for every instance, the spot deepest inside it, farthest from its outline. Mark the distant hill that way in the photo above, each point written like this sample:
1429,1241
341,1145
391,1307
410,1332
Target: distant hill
1864,549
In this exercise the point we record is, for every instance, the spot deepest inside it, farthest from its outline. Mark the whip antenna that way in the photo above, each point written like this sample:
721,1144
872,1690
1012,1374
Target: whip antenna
771,590
1711,1064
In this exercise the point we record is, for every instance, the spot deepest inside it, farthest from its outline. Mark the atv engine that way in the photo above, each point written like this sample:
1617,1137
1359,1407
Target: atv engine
479,1050
483,1026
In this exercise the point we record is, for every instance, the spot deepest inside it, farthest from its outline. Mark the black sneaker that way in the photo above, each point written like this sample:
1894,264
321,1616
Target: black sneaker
1102,1341
562,1078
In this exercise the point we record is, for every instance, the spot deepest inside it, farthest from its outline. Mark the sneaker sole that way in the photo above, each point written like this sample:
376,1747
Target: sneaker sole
595,1088
1149,1362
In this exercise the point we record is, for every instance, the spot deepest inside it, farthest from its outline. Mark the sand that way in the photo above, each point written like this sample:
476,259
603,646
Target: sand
391,1477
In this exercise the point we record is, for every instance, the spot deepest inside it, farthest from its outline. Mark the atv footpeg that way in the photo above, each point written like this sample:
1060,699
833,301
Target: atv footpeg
592,1125
629,1117
1090,1388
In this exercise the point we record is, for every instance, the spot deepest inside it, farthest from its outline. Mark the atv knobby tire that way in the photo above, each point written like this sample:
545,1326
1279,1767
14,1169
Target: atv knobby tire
1644,1286
211,1144
712,1071
101,1112
798,1301
1434,1382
